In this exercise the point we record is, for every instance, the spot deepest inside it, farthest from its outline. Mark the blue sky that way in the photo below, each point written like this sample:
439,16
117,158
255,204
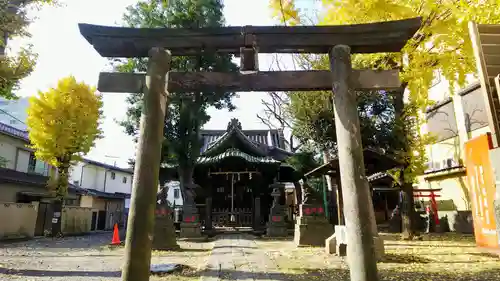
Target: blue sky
63,51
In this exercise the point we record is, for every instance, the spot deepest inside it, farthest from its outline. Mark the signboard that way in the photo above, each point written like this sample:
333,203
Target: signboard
482,189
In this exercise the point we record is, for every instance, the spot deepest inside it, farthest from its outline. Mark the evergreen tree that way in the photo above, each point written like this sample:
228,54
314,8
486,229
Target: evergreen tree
14,21
187,113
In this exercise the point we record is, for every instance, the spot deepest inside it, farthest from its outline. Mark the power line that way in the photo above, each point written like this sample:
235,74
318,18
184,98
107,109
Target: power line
14,117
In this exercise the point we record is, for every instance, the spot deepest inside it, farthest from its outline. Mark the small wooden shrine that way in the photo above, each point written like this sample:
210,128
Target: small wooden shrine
234,175
376,163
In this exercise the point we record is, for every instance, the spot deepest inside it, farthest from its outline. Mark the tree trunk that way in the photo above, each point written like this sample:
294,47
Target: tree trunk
188,130
3,43
61,191
408,213
57,205
407,202
186,185
298,192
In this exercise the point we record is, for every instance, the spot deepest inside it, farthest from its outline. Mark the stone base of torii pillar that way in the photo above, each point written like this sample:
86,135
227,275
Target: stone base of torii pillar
337,243
190,225
164,237
276,226
312,227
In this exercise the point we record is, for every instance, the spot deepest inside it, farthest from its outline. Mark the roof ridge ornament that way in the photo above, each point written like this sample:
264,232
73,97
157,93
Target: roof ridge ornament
234,123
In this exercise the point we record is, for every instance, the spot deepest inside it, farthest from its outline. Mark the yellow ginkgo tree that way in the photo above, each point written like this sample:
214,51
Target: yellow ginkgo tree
63,126
440,47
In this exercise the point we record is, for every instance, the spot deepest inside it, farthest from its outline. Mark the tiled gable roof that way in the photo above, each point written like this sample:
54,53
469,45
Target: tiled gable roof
263,138
233,152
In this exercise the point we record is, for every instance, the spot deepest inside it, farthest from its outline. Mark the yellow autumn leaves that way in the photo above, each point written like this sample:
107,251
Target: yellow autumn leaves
438,257
441,46
64,121
285,11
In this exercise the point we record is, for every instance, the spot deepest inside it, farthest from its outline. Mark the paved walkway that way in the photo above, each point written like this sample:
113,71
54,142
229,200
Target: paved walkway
237,257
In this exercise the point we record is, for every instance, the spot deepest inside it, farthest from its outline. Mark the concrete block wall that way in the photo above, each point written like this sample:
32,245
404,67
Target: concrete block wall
76,220
17,220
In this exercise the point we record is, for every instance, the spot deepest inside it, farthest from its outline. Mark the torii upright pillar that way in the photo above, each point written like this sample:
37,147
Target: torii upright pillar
147,167
358,206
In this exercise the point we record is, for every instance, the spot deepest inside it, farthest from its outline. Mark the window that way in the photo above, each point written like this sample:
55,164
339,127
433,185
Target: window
441,122
475,113
31,163
113,175
40,167
27,162
176,193
124,180
70,202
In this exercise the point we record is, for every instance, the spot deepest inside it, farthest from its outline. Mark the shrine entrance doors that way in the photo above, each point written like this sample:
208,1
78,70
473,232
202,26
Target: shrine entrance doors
233,200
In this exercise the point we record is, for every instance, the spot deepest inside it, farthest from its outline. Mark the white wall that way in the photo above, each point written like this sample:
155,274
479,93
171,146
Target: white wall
172,186
16,153
23,160
121,183
441,88
99,178
87,176
8,150
13,112
74,176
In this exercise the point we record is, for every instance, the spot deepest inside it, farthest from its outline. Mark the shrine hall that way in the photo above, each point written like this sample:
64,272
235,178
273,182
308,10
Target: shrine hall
235,175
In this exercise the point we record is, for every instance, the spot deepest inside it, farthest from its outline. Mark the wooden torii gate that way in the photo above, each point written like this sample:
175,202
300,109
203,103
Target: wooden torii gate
336,41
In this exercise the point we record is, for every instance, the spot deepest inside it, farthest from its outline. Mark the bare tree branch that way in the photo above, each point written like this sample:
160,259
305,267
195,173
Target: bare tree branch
470,120
275,113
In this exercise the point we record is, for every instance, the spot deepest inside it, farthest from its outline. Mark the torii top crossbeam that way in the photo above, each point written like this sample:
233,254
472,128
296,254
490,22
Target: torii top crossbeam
388,36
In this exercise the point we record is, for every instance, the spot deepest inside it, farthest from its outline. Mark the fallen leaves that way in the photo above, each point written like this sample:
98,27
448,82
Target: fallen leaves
448,256
69,259
437,258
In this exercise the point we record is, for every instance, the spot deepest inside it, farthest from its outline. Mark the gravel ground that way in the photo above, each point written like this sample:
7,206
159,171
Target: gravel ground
87,258
438,257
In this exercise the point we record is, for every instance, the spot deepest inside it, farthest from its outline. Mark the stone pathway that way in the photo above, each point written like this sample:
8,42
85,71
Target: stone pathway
237,257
